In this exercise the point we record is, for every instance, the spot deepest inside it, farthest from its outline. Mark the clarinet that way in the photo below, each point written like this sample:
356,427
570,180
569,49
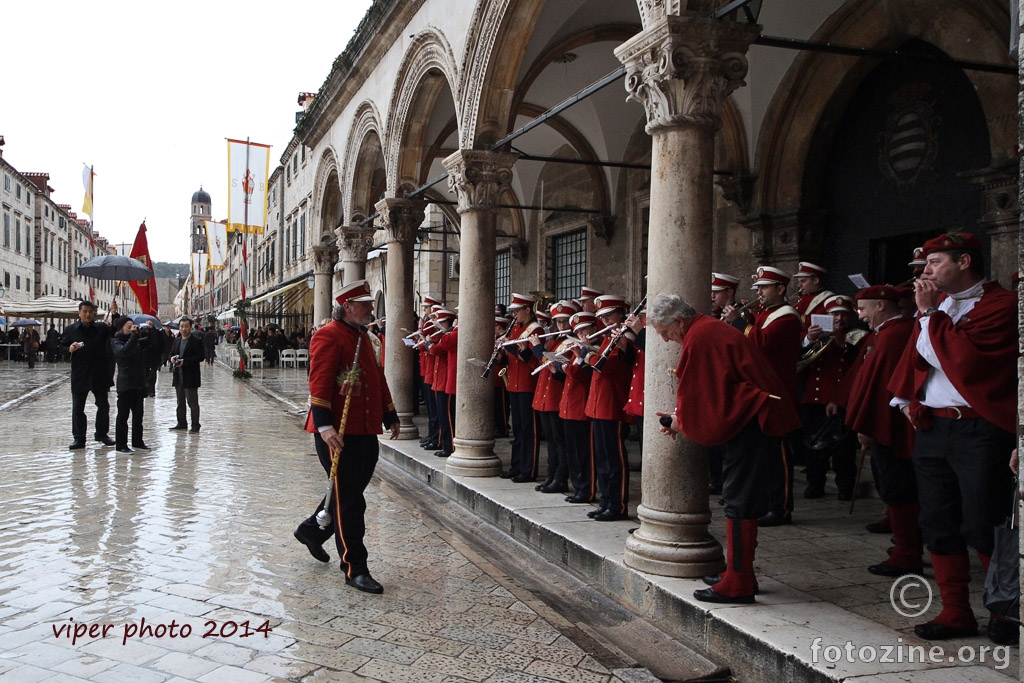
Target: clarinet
494,356
615,336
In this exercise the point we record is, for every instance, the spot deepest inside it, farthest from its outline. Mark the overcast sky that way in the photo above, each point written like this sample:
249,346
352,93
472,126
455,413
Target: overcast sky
147,93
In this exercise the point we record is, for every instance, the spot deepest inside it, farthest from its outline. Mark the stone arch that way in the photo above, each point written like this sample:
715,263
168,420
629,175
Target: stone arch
429,65
364,156
815,92
328,207
494,52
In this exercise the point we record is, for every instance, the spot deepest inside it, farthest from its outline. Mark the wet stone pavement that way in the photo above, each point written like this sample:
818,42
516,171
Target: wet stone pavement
178,564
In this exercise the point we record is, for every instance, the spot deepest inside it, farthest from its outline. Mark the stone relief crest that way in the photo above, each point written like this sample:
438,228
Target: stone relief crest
908,143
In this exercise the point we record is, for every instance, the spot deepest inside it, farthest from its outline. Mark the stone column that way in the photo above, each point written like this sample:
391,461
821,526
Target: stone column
355,243
478,178
324,258
401,218
680,68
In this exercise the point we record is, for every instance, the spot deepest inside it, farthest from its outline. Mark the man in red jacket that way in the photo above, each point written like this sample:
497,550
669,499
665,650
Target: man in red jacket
333,369
957,382
727,396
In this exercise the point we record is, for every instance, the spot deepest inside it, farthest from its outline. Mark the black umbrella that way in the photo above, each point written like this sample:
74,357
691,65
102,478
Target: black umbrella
27,322
115,267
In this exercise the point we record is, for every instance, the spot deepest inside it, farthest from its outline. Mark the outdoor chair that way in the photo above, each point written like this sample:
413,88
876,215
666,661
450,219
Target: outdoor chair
302,357
256,358
287,358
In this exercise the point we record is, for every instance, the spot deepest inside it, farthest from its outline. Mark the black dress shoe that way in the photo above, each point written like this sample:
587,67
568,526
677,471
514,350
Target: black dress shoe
365,583
1003,632
177,428
709,595
509,474
774,519
610,516
553,488
430,446
195,429
315,550
106,441
76,445
878,528
539,487
595,513
577,499
442,454
713,580
888,570
123,449
933,631
714,489
812,492
141,447
523,479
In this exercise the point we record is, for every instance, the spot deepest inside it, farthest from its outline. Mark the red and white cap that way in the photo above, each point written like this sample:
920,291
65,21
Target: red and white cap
767,275
838,304
522,301
501,320
918,260
589,293
581,320
722,281
431,301
563,309
606,303
443,314
354,291
808,269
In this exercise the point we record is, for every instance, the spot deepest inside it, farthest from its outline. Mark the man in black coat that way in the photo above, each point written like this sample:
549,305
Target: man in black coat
155,356
187,355
92,369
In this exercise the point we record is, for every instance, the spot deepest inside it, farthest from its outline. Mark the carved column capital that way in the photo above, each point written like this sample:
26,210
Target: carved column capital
324,258
478,178
603,227
355,240
400,217
683,68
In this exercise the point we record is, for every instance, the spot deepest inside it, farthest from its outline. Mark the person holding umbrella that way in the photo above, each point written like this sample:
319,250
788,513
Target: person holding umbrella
92,369
130,343
30,342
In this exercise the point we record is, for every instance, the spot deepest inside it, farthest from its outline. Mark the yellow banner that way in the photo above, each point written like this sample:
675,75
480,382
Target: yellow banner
248,178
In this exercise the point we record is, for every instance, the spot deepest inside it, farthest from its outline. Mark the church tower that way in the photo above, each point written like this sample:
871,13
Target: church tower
200,213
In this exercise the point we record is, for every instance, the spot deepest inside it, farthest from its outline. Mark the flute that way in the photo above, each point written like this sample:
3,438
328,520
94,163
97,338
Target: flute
600,332
539,336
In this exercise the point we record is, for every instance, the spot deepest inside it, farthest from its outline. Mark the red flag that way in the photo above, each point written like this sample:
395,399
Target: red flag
145,290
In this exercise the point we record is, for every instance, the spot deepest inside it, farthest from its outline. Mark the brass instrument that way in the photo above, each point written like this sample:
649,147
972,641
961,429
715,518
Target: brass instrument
742,307
814,351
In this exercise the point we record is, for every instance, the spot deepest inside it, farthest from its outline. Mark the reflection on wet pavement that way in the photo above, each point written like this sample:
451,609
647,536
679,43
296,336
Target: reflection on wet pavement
179,563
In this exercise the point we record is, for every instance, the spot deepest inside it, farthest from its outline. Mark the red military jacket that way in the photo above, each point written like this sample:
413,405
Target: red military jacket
573,405
522,363
332,351
777,333
978,354
439,382
635,402
823,377
550,382
864,392
449,345
812,304
609,388
724,383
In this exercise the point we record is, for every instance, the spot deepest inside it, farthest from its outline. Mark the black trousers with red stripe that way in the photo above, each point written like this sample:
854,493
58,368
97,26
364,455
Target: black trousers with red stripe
611,465
579,457
524,427
355,468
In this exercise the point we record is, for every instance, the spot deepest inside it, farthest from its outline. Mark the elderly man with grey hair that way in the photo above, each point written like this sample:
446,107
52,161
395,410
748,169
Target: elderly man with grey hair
727,395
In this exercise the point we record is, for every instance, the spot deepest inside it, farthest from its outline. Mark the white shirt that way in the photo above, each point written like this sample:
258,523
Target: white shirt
938,391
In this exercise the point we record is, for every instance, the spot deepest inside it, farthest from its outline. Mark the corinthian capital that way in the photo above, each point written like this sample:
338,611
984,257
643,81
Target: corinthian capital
400,217
355,240
479,177
324,258
683,69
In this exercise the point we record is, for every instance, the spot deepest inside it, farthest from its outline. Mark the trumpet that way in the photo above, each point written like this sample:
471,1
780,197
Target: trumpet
742,307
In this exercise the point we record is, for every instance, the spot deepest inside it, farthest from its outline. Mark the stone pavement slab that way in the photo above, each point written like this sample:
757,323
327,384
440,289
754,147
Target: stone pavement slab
178,564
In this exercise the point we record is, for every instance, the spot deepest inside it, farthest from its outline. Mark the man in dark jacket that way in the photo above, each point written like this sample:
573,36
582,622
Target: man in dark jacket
130,344
187,355
155,356
92,369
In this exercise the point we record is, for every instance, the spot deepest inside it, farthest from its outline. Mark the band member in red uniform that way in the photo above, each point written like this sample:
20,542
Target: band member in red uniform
521,384
573,411
880,427
609,391
548,395
723,300
431,440
833,353
812,294
776,332
332,353
727,396
957,382
587,296
501,406
444,348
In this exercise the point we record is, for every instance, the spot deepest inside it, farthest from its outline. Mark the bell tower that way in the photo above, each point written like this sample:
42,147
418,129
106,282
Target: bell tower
200,212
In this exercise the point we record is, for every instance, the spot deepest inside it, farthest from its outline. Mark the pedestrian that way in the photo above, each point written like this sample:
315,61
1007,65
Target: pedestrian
130,344
186,357
30,345
957,384
727,395
92,370
158,346
366,405
52,344
210,344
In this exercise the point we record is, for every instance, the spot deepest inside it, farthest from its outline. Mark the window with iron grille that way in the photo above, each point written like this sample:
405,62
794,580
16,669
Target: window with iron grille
502,281
567,263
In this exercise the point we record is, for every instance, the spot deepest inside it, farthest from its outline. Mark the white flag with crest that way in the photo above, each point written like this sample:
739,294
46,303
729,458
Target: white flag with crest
217,241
